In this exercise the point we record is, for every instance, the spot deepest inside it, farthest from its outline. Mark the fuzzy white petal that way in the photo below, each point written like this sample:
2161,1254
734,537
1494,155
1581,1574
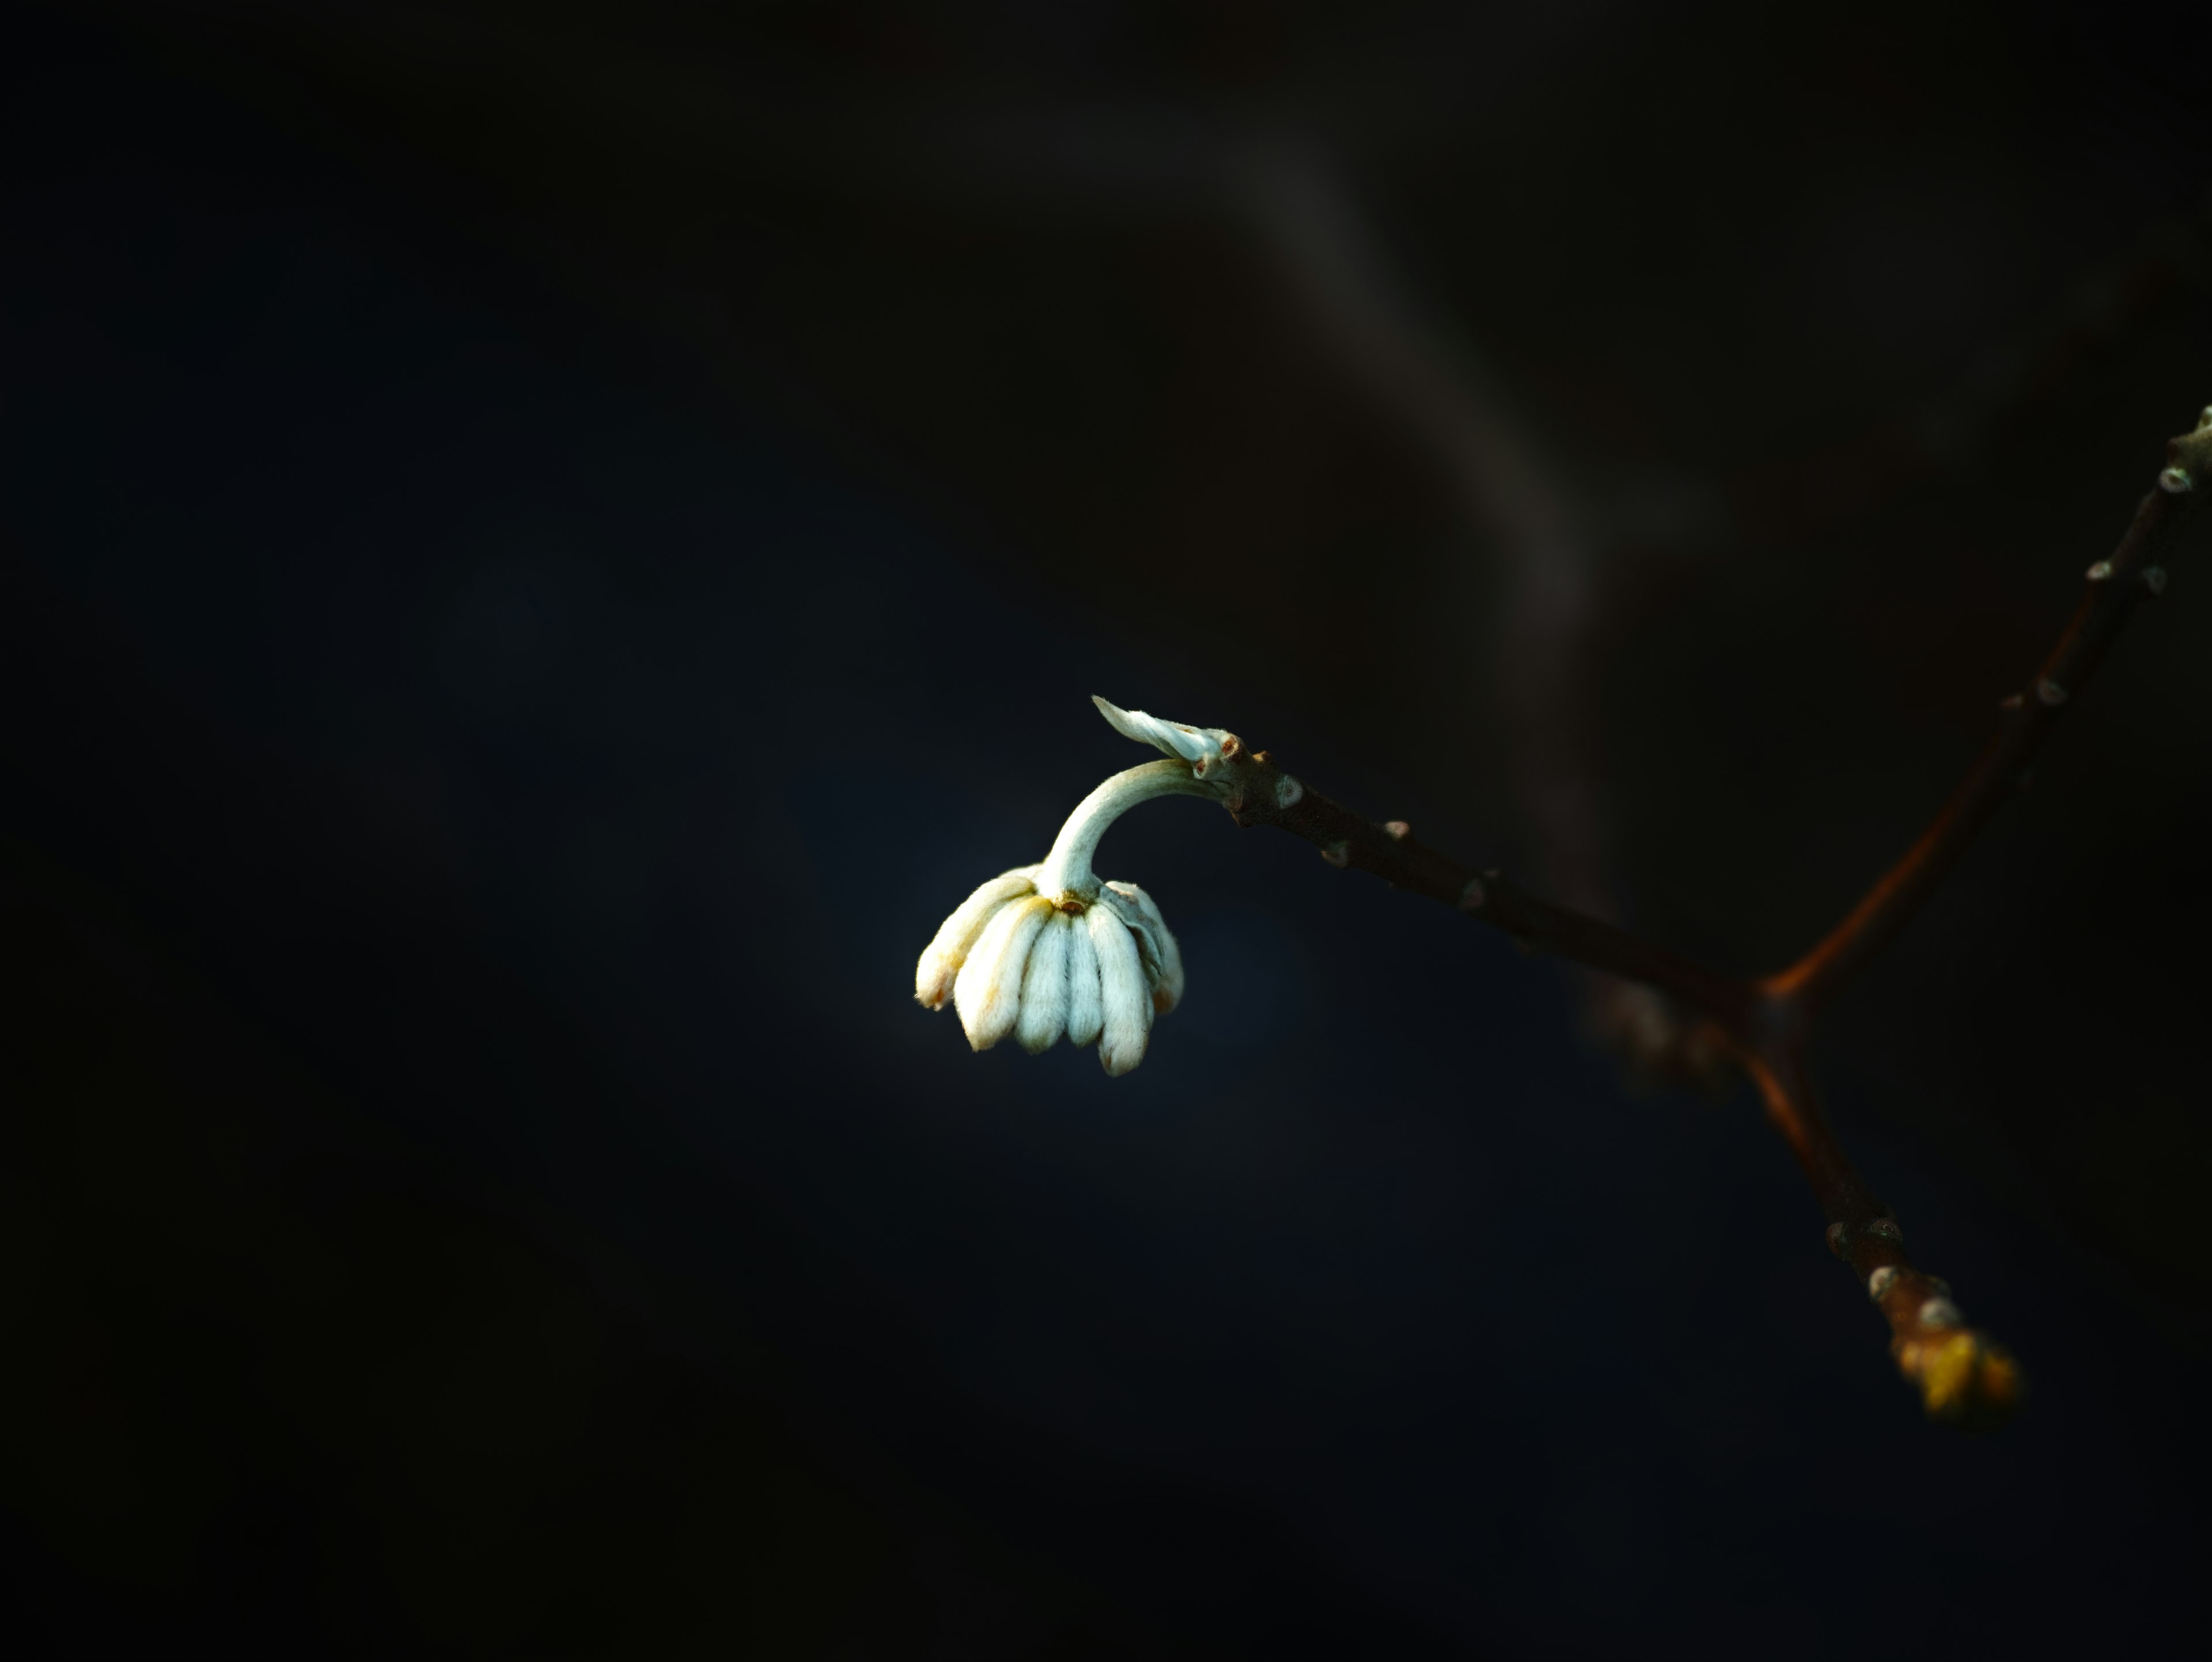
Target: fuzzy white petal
1044,987
1150,950
1085,1016
987,992
1126,1000
1163,968
941,960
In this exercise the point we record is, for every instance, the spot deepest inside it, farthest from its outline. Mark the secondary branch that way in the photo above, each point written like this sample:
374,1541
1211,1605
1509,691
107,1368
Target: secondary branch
2134,573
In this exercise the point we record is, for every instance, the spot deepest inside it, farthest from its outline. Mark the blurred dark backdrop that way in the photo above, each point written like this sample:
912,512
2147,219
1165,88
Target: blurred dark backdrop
546,546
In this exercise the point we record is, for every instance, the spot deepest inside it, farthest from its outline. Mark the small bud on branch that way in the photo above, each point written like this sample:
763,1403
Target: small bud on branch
1049,949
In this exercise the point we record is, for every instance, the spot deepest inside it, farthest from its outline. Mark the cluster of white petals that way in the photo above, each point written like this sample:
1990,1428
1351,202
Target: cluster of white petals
1029,966
1049,949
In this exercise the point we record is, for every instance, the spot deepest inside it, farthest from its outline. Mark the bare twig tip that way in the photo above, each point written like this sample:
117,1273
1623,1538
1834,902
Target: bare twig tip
1966,1379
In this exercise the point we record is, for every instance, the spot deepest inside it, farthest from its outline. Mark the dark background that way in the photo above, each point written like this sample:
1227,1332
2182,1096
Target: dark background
546,546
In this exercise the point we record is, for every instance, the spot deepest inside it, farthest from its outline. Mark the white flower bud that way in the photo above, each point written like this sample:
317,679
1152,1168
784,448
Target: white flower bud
987,992
942,959
1086,1014
1023,964
1049,949
1044,987
1163,959
1127,1000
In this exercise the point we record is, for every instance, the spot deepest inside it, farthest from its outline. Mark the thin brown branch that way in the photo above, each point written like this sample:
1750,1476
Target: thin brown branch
2115,587
1964,1378
1261,793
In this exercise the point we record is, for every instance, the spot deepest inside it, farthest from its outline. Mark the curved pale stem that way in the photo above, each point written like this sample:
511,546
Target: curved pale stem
1066,869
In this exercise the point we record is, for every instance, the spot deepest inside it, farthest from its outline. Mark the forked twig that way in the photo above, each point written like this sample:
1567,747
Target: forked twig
1964,1377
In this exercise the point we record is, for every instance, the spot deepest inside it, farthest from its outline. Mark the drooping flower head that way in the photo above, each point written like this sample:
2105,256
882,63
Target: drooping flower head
1049,949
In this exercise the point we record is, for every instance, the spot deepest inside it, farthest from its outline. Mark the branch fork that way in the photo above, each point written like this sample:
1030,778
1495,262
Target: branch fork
1676,1015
